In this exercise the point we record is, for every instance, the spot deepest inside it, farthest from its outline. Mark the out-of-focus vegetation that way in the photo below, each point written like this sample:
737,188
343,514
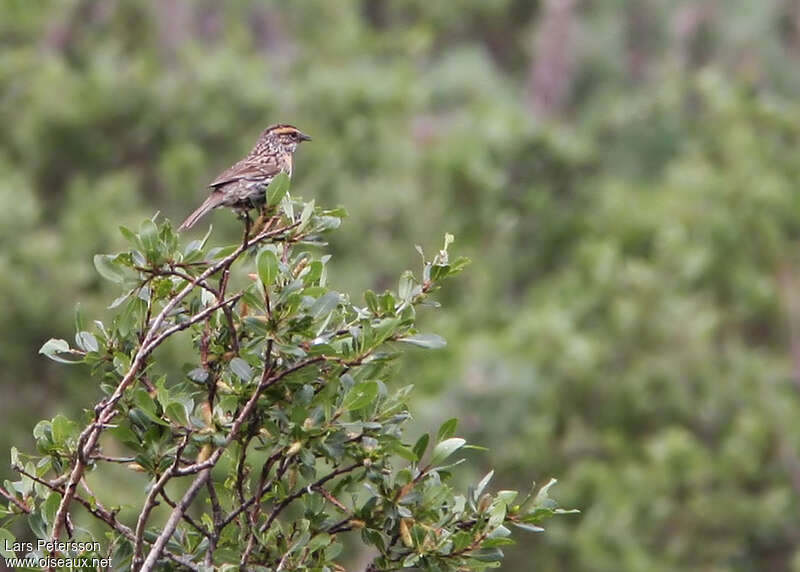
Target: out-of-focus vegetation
623,175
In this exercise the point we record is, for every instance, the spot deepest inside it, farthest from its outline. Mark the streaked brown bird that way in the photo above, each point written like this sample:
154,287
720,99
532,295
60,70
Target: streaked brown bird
242,186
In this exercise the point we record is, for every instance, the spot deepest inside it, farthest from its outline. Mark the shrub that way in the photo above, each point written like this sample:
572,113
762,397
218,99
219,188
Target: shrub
282,436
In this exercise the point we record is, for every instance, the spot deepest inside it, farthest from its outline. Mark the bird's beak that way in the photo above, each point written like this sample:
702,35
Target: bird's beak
304,137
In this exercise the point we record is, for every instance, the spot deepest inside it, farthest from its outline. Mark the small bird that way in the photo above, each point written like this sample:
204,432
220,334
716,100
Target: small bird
242,186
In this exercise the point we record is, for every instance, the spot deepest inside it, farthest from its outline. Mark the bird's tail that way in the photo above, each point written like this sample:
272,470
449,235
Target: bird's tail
214,200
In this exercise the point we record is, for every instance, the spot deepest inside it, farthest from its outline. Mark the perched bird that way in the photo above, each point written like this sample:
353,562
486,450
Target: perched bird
242,186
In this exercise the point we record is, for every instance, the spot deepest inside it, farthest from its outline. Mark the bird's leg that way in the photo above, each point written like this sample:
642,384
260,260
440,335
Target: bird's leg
259,222
247,225
263,218
244,215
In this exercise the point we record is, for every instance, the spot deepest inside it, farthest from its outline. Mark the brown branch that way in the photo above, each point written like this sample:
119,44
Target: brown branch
223,286
240,467
11,498
89,437
244,414
248,523
330,498
100,457
261,489
151,502
341,526
98,511
177,513
192,522
199,317
204,468
303,491
216,511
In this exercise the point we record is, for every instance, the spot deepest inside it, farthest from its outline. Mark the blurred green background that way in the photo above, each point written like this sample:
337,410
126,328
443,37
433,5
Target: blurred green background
624,175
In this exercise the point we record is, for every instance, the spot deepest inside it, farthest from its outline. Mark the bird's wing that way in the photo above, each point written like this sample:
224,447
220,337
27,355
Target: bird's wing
245,169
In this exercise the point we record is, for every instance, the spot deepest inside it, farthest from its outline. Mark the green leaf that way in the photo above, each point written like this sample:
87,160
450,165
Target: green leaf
86,341
372,301
406,286
50,507
143,401
492,542
448,240
177,413
148,234
482,484
320,540
53,347
487,555
324,305
305,216
6,542
542,498
242,369
147,406
421,445
430,341
277,188
37,525
79,321
108,269
402,451
447,430
268,266
445,449
120,299
359,396
63,428
528,527
130,236
507,496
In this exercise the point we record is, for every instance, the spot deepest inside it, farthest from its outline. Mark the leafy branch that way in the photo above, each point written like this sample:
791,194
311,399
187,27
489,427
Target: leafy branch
282,433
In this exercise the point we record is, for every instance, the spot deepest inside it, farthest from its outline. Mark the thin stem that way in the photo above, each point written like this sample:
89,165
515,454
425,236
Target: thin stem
107,517
305,490
150,503
175,517
11,498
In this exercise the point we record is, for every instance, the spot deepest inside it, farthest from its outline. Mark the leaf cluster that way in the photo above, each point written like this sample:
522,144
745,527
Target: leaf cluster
284,436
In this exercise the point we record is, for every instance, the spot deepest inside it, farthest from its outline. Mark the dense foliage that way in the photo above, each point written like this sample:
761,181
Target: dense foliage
283,434
631,321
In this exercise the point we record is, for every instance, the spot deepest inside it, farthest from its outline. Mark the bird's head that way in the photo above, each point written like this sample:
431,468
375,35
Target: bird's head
286,136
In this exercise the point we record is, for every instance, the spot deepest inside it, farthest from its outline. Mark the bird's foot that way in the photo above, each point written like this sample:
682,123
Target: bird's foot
266,219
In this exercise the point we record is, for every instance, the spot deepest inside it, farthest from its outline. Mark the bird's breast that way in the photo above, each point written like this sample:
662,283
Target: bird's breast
288,163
